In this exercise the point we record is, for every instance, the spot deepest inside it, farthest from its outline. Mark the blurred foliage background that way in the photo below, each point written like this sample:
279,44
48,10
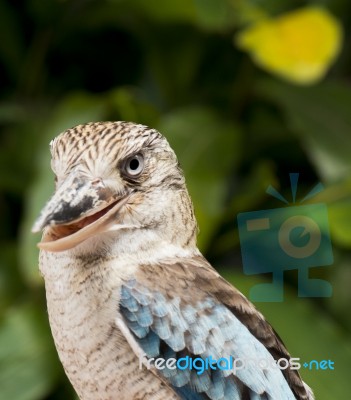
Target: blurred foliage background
246,91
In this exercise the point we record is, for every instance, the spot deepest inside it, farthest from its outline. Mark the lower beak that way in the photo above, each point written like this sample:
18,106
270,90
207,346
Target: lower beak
77,211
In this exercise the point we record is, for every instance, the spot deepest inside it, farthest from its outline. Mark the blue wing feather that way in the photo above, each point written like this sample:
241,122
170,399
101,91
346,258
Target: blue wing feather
176,328
186,393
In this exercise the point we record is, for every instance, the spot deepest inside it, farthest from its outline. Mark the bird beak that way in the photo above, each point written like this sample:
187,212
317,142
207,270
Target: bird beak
79,209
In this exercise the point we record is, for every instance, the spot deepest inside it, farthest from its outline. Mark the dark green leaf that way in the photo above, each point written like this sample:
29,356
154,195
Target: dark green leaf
28,360
321,116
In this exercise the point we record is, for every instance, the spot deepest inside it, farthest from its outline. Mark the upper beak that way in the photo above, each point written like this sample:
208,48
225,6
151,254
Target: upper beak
79,209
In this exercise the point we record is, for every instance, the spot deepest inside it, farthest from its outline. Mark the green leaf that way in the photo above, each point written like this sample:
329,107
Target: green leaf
321,116
11,285
170,11
211,15
12,112
339,303
214,15
337,196
208,148
340,222
173,61
28,361
249,195
11,44
130,105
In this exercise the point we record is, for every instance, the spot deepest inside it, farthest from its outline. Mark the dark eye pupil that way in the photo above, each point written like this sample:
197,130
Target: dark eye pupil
134,164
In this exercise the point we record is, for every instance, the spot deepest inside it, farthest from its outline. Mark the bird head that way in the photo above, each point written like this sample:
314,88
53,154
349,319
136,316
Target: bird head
112,178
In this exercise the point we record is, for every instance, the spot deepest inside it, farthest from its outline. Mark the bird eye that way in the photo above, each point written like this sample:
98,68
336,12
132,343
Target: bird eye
134,165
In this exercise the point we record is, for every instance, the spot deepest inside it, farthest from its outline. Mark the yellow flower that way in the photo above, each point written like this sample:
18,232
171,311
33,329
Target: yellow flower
299,45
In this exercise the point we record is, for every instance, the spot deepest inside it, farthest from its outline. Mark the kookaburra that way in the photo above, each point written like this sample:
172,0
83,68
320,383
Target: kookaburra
133,305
